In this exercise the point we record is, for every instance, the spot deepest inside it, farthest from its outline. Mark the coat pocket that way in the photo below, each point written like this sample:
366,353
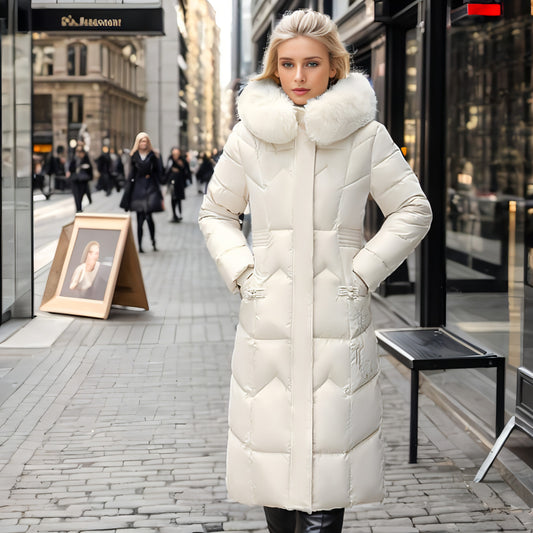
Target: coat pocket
358,303
251,289
364,359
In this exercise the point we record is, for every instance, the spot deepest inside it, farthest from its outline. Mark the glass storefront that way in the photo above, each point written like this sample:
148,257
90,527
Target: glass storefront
16,196
490,182
489,173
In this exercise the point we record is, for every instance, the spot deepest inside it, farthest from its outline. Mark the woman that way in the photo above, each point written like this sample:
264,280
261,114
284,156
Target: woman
85,273
177,175
305,408
143,193
204,172
80,173
90,277
103,165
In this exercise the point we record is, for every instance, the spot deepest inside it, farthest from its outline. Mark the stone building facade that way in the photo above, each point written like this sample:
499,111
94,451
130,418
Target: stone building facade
87,83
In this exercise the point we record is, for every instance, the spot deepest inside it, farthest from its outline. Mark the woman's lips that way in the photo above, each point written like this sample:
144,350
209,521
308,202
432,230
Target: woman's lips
300,92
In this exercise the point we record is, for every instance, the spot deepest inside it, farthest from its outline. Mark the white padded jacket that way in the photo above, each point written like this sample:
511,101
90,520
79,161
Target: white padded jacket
305,407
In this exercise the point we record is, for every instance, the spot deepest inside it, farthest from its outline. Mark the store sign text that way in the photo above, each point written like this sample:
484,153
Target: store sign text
69,20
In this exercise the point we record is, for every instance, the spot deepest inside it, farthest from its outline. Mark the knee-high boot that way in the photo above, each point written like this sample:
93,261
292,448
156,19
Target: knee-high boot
280,520
140,222
321,521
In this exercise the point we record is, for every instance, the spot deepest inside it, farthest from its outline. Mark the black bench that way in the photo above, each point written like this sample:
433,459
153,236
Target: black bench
439,349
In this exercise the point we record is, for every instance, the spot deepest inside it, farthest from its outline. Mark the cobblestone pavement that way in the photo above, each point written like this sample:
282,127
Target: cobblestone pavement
120,425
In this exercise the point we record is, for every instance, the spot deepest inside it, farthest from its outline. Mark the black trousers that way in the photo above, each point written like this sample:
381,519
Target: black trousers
79,188
283,521
176,204
141,217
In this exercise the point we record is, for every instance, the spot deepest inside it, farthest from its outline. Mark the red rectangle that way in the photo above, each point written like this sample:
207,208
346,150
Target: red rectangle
487,10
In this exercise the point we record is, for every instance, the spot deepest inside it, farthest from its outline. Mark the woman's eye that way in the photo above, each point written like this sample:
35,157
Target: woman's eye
286,65
312,64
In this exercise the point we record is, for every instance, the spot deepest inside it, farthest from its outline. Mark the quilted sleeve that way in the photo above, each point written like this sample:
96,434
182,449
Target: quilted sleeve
225,200
397,191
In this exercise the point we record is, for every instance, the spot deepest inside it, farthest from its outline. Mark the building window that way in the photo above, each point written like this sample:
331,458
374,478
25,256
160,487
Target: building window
77,60
43,60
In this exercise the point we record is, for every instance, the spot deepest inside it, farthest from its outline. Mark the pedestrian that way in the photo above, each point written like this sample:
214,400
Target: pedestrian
305,410
38,175
56,169
103,165
117,170
177,177
192,159
124,155
204,172
142,192
80,175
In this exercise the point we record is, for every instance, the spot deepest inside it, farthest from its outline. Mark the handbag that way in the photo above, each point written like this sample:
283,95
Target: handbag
82,173
125,202
155,202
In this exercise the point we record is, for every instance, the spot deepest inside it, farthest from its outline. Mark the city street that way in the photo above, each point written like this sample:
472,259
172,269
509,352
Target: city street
119,425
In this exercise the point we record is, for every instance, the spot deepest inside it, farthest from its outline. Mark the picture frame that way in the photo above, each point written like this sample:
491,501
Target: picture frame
95,265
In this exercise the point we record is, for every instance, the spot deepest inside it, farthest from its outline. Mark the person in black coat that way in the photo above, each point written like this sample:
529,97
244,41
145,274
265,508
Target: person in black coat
103,165
56,169
142,193
80,174
205,170
177,174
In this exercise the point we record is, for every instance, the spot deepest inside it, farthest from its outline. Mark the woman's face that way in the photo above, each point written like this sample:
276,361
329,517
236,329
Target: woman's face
93,254
304,69
143,144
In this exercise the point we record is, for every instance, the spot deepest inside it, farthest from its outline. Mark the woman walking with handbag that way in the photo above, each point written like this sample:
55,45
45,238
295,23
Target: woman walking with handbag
80,174
142,192
305,410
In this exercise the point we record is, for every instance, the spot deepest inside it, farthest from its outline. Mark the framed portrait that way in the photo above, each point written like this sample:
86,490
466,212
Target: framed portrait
95,265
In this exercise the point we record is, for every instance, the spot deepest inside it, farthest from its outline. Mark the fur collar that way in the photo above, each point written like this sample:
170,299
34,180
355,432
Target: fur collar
270,115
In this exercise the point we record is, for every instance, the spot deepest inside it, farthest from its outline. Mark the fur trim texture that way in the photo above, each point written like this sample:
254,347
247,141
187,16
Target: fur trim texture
270,114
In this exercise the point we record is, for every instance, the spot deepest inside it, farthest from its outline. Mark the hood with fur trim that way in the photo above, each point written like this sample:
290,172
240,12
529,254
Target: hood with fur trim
270,115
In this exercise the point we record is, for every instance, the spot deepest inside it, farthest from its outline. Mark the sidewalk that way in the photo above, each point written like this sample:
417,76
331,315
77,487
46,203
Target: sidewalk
120,425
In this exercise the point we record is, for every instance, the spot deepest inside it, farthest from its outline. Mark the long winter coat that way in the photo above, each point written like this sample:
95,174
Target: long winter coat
145,177
176,176
305,407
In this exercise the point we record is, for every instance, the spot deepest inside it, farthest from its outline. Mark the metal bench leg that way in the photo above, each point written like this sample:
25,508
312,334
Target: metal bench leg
500,397
498,445
413,424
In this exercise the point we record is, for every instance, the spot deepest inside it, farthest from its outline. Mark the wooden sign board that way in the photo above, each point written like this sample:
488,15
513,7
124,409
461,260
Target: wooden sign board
95,265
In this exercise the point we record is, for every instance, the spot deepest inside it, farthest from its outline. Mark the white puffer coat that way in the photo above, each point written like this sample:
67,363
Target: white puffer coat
305,407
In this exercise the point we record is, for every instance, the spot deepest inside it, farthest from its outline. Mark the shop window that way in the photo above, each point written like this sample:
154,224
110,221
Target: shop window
43,60
489,177
77,59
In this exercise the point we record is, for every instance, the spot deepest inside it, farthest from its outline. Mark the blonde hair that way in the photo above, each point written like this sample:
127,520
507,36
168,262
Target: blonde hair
141,135
306,23
87,248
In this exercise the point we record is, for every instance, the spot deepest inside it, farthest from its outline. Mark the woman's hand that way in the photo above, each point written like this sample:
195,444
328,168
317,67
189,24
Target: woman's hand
362,287
243,278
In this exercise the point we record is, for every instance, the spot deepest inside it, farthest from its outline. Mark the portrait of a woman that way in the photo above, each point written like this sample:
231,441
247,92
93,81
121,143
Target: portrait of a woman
90,277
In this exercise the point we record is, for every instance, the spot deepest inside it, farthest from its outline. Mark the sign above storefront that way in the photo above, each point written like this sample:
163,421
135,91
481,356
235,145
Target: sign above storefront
143,21
474,11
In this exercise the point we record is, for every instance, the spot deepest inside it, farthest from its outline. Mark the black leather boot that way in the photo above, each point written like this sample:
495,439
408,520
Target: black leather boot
280,520
321,521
